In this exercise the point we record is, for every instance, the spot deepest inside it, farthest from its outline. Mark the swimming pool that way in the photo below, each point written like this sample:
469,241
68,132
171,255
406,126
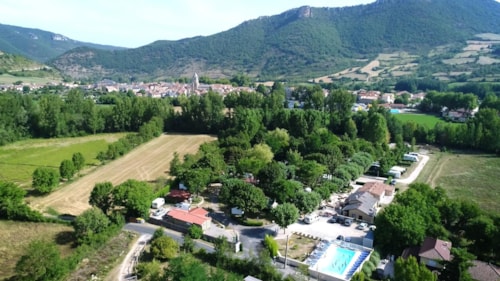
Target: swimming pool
339,261
395,111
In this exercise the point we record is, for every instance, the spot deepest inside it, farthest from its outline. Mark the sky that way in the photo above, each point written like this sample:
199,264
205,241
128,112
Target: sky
134,23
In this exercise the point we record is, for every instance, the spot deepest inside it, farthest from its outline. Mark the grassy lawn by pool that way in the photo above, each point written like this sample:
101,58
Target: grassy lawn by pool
18,160
423,119
467,176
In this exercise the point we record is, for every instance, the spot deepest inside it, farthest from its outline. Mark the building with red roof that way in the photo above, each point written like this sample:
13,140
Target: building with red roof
185,218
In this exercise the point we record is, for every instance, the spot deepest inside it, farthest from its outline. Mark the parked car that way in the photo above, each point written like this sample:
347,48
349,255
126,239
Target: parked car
347,222
362,226
332,220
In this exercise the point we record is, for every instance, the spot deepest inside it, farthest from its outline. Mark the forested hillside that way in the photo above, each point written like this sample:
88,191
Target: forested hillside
38,44
298,43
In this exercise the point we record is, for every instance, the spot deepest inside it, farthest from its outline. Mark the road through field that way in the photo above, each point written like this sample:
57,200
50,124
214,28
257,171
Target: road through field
147,162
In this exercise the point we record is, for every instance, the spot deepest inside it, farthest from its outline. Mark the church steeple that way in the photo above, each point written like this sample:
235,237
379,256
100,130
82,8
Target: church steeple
195,83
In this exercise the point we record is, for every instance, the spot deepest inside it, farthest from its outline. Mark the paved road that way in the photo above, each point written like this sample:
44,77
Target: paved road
146,228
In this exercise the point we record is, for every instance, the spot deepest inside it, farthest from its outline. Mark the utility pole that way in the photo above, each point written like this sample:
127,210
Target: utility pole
286,250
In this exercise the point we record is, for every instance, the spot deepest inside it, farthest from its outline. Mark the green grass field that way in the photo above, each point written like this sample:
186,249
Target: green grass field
18,160
467,176
10,79
424,119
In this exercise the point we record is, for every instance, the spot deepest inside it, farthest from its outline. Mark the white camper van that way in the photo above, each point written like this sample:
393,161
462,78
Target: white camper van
409,157
310,218
158,203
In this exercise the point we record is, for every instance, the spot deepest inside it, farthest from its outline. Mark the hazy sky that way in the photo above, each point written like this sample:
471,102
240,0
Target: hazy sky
133,23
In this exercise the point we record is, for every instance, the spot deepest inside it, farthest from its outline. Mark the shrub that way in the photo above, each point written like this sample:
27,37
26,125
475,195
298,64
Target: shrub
252,222
195,232
45,179
271,245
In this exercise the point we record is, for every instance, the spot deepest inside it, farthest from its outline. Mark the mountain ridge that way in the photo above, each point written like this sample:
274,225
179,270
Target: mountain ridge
39,45
300,42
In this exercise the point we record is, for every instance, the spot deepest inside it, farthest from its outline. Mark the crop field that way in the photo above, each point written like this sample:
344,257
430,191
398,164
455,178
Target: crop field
147,162
423,119
18,160
10,79
17,235
467,176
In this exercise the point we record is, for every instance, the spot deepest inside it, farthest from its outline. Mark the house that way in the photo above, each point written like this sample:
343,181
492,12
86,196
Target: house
387,98
185,218
378,189
484,271
432,252
361,205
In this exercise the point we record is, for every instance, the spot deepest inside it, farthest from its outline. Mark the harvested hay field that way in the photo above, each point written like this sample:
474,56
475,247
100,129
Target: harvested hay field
147,162
17,235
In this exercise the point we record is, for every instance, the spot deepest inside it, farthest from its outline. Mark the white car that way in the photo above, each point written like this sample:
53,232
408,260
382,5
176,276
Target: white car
362,226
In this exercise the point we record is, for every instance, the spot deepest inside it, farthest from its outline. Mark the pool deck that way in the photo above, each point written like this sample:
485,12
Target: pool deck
328,257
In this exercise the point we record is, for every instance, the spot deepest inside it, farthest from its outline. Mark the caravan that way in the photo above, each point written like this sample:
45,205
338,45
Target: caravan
310,218
409,157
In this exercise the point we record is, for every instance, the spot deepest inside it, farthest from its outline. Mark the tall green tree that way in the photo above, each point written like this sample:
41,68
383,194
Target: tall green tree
285,215
67,169
102,196
135,197
45,179
457,268
78,161
307,202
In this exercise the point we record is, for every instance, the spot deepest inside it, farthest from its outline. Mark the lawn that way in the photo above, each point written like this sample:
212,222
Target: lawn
17,235
424,119
299,247
467,176
18,160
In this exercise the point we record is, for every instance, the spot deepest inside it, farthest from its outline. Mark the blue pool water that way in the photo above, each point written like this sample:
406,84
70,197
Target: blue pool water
395,111
337,261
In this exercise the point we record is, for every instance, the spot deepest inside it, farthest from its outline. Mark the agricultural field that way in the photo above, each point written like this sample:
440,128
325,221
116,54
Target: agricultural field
146,162
423,119
17,235
467,176
10,79
18,160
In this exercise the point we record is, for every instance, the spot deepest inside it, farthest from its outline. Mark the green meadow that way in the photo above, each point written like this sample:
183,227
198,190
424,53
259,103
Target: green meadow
423,119
18,160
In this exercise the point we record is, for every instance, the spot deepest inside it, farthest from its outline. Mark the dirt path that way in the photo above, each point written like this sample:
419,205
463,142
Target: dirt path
147,162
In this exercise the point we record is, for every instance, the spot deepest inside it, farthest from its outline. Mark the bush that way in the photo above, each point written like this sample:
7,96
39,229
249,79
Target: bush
252,222
195,232
45,179
271,245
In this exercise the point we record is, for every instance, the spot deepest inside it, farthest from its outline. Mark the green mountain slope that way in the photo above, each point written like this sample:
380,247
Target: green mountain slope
39,45
298,43
19,68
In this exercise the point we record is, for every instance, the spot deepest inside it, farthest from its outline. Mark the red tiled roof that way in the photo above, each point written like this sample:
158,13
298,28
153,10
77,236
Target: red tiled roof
194,216
435,249
376,188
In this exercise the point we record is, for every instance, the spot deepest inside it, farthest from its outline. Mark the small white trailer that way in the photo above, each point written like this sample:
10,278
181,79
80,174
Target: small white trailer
158,203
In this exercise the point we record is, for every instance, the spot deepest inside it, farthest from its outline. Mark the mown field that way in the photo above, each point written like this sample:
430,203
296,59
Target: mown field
423,119
146,162
467,176
18,160
15,237
10,79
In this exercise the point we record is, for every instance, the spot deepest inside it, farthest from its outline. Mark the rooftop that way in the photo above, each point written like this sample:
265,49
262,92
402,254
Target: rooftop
194,216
